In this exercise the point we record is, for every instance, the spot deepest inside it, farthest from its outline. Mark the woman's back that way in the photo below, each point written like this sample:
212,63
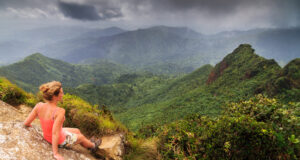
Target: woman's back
46,114
45,111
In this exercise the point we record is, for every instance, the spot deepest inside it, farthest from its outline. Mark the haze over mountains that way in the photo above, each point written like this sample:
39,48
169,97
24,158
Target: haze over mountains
147,47
23,43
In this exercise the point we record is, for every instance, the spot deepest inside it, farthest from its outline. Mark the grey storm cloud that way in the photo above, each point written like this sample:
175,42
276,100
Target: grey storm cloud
79,11
278,13
221,7
112,8
24,3
214,6
88,11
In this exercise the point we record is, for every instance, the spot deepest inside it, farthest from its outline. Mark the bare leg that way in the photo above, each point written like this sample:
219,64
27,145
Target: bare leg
73,130
81,139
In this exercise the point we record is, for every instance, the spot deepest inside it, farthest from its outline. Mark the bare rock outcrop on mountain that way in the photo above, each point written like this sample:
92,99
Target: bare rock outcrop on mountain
112,147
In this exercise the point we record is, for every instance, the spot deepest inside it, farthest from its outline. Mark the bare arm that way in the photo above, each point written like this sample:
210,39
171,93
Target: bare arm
56,130
31,116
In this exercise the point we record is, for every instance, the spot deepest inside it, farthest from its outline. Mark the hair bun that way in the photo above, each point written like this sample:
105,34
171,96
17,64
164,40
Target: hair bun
44,88
50,89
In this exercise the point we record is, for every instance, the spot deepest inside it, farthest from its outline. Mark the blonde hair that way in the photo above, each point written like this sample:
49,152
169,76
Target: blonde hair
50,89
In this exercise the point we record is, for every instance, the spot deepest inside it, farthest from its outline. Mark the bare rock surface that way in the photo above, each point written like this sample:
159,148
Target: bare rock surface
112,147
20,143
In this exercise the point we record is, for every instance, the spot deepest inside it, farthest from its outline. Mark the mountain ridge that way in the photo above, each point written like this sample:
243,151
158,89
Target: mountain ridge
36,69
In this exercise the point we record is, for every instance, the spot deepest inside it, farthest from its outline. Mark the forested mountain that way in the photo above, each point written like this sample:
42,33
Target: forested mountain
229,79
37,69
240,75
143,98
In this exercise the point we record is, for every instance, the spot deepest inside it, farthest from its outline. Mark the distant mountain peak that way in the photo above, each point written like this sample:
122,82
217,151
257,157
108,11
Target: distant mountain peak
242,48
243,62
241,53
35,55
175,30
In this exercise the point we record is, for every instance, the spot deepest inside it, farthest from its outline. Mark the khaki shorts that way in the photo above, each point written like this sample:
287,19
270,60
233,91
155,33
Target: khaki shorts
70,140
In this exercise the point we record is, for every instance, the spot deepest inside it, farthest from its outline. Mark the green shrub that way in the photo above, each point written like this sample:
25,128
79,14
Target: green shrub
12,94
260,128
148,131
89,119
31,100
141,149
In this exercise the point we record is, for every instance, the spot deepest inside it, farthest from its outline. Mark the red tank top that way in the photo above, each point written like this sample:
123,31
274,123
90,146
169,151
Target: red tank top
47,126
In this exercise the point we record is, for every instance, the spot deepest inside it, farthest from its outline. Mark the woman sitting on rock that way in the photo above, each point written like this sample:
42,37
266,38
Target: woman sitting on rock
52,118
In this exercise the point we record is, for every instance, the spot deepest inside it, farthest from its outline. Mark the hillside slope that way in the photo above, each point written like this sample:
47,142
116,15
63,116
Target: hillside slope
127,91
286,85
37,69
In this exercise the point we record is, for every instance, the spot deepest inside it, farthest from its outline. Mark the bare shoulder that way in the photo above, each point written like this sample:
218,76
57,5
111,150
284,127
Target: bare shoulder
61,110
39,104
60,113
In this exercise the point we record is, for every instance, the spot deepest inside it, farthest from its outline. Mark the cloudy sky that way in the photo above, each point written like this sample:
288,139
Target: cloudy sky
206,16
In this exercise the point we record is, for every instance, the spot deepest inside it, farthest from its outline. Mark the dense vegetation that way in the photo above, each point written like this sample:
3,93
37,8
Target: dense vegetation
127,91
239,76
259,128
12,94
286,84
91,120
